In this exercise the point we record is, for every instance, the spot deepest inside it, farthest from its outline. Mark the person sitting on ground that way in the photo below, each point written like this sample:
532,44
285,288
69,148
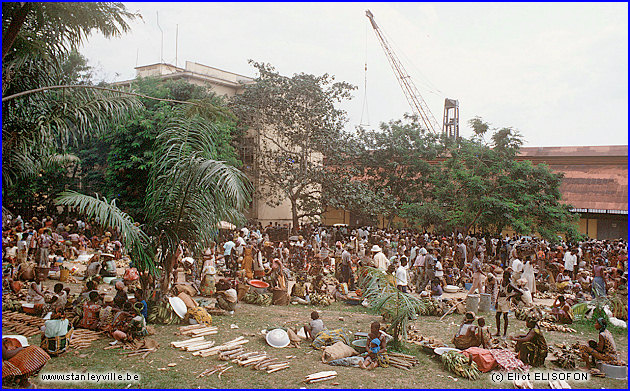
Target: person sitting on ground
91,311
54,339
436,288
90,286
108,267
300,291
485,335
21,362
531,347
315,326
226,300
58,300
121,294
467,335
376,349
36,292
525,298
562,310
604,350
95,266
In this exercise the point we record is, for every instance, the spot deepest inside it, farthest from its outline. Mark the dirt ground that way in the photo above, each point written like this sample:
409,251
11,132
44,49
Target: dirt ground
252,319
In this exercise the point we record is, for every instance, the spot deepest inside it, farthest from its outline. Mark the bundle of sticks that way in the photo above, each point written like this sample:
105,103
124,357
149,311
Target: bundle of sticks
320,376
193,344
83,338
214,350
198,330
256,360
402,361
22,324
215,369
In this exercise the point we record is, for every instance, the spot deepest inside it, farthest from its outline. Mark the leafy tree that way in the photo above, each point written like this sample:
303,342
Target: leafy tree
189,193
394,163
130,146
298,124
38,39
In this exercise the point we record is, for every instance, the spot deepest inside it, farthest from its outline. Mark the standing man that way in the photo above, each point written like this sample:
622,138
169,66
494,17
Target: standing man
346,268
44,242
460,253
380,260
476,269
401,275
570,260
419,267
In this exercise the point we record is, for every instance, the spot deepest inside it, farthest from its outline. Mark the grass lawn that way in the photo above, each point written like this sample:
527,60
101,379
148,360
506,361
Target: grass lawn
252,319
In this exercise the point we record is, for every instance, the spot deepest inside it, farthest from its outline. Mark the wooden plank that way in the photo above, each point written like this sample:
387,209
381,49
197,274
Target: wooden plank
318,375
179,344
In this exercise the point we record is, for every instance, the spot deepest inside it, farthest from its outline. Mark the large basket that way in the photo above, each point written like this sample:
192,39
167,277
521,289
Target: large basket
42,272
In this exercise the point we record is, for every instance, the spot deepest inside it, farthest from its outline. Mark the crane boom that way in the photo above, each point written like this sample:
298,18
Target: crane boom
418,105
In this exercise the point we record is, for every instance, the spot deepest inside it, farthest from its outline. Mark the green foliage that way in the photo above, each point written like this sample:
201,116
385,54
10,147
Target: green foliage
107,214
38,126
297,123
393,304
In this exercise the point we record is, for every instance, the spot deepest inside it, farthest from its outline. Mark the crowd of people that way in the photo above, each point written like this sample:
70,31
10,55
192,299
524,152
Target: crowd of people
316,266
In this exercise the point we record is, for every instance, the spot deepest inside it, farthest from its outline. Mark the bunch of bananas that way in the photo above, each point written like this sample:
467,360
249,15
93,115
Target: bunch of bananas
10,304
460,365
263,299
565,357
162,313
321,300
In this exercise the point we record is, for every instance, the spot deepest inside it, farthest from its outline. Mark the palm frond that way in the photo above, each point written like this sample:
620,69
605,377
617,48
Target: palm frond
109,215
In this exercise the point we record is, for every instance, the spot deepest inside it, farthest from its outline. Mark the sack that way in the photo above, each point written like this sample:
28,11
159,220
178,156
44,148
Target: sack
336,351
187,289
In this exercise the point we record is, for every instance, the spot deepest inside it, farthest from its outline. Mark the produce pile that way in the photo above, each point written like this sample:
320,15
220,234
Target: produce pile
460,365
162,313
539,312
21,323
414,336
564,356
433,307
252,297
556,327
321,300
10,302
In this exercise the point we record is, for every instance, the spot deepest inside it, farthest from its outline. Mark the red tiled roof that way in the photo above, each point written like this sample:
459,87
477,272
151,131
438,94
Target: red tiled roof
603,151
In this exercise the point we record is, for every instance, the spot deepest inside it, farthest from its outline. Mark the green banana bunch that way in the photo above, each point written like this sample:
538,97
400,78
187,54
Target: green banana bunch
458,364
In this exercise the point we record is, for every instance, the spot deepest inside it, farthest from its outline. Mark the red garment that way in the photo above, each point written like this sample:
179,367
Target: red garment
482,357
508,360
90,316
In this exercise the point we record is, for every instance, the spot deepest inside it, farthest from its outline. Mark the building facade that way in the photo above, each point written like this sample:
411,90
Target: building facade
227,84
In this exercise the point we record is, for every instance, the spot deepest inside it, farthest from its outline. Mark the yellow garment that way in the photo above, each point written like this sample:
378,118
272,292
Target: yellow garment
200,315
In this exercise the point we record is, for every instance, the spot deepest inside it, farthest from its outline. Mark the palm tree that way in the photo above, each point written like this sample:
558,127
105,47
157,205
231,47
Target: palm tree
385,299
188,195
37,39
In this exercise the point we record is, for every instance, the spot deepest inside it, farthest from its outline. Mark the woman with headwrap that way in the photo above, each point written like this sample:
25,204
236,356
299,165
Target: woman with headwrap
279,283
531,347
599,280
604,350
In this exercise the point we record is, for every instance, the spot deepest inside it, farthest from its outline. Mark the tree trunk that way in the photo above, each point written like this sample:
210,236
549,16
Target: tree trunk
14,28
472,223
168,270
294,216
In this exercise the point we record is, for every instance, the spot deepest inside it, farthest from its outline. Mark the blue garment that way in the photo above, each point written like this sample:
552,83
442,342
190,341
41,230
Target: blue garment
145,309
376,348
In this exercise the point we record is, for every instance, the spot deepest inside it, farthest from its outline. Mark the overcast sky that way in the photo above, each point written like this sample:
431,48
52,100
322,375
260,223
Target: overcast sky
556,72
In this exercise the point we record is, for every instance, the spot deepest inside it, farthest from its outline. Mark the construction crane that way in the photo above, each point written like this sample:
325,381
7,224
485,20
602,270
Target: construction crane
418,105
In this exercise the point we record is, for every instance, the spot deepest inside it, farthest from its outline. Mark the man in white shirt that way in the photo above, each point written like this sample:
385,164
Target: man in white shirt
401,275
380,260
570,260
517,269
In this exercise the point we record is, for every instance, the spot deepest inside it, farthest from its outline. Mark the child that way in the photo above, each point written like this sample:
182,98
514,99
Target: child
376,352
315,327
484,333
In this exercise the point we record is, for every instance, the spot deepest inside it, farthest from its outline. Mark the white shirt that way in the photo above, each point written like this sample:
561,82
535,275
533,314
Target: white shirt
438,269
401,276
569,261
381,261
228,246
517,265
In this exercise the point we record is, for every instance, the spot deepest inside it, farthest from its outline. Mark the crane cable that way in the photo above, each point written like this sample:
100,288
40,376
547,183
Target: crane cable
365,102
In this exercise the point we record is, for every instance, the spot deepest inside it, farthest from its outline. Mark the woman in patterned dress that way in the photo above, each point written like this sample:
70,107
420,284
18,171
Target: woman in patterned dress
531,347
604,350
